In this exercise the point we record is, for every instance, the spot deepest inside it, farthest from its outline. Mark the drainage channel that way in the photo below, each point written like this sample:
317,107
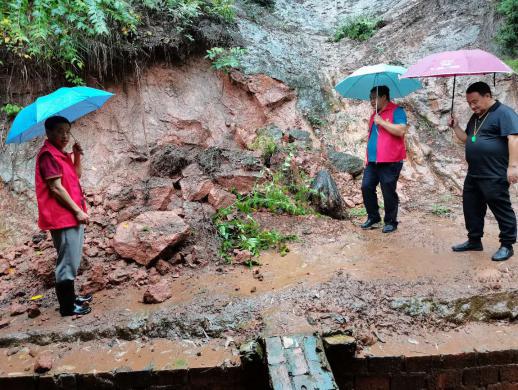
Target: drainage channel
295,362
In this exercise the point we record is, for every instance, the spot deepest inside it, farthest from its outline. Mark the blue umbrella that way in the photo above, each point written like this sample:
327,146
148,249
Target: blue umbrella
359,84
72,103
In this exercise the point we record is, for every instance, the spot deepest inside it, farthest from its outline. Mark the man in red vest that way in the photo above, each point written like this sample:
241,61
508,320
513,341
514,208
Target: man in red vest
62,210
385,155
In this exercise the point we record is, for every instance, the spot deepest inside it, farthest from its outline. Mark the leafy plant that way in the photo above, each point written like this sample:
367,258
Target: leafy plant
360,28
507,36
11,110
63,34
239,230
441,210
225,59
266,144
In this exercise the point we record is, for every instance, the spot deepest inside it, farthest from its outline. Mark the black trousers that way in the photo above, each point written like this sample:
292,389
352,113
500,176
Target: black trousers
478,194
387,175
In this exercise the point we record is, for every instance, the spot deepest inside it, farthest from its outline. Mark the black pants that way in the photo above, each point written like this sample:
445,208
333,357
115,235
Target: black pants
386,174
478,194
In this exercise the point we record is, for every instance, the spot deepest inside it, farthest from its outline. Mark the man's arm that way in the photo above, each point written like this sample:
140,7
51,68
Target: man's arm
63,197
461,134
78,152
512,170
397,130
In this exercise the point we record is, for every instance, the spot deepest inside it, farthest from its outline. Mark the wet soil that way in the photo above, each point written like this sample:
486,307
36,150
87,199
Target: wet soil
335,277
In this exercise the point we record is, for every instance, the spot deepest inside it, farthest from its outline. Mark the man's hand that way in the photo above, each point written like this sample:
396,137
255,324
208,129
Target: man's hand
453,122
82,217
77,149
378,120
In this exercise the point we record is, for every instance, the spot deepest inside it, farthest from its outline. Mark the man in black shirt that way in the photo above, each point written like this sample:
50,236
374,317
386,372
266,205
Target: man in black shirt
491,139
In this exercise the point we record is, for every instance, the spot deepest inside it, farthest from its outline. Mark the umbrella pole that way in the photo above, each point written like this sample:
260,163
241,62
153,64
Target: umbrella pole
453,96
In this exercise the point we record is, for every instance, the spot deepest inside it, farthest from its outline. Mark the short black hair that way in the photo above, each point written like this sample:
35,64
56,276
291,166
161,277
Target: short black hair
383,90
480,87
52,122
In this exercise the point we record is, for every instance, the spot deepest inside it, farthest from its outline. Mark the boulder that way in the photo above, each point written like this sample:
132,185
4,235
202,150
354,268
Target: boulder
327,199
345,162
96,280
145,237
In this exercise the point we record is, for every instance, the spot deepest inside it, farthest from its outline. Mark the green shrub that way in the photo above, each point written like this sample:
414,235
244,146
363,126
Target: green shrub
236,227
360,28
513,64
266,144
507,37
440,210
225,59
64,33
11,110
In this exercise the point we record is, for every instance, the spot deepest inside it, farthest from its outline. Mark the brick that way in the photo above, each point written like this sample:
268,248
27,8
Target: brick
489,375
172,377
461,361
130,379
279,377
408,382
275,350
447,379
21,382
372,383
509,373
421,363
498,358
101,381
385,365
471,376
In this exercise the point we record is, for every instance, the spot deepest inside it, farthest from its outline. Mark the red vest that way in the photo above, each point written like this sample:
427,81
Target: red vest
390,148
51,214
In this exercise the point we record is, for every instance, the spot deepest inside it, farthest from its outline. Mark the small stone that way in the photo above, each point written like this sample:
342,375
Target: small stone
157,293
43,363
33,311
4,323
253,290
163,267
12,351
17,309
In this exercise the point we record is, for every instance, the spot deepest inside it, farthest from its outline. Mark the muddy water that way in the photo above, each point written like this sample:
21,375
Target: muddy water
476,337
93,357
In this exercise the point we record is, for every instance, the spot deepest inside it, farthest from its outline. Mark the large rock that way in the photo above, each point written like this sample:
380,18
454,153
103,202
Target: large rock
144,238
345,162
327,198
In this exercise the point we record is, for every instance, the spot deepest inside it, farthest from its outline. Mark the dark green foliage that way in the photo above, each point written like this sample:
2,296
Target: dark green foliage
63,34
225,59
508,35
360,28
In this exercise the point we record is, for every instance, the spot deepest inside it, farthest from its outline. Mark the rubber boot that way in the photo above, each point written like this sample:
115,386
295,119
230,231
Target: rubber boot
66,298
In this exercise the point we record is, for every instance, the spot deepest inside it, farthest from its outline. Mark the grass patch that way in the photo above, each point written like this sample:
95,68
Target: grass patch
266,144
357,212
282,194
441,210
359,28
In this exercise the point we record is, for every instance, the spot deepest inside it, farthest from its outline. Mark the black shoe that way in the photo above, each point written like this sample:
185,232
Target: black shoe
370,224
82,299
78,310
468,246
503,254
389,228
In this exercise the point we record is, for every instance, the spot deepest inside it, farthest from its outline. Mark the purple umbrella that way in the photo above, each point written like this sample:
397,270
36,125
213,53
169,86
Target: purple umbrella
457,63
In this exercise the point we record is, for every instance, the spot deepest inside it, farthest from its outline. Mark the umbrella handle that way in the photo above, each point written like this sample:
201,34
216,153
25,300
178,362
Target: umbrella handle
453,95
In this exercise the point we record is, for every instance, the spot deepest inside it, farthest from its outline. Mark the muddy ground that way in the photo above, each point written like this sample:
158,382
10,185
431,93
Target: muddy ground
402,291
